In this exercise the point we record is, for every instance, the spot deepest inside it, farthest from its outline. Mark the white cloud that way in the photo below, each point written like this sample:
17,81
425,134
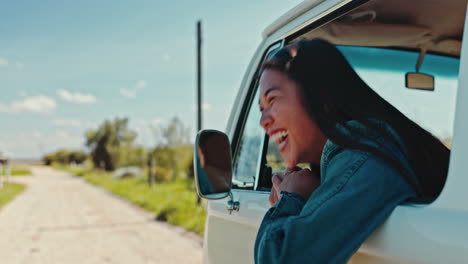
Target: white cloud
141,84
78,98
128,93
36,134
167,57
205,106
149,122
22,93
62,134
74,123
35,144
67,122
35,104
3,61
132,92
148,130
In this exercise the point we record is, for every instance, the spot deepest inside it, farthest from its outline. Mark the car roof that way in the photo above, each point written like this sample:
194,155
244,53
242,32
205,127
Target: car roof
435,25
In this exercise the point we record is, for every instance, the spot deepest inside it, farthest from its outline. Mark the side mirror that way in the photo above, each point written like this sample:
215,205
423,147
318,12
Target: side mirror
416,80
212,164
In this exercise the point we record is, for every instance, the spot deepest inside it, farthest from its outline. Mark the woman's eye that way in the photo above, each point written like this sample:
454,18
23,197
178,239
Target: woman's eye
271,99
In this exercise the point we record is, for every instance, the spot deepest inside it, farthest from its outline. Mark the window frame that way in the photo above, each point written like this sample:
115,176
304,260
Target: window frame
244,115
277,42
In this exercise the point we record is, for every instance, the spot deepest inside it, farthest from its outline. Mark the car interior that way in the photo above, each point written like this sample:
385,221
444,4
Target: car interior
424,31
435,26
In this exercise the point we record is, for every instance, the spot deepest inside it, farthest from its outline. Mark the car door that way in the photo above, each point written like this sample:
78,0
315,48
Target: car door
429,233
230,237
433,233
437,232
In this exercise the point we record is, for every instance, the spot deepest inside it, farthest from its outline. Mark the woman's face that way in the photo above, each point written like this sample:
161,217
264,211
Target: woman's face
287,122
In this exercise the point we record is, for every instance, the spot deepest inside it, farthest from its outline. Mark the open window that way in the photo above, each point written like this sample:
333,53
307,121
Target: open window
248,158
386,40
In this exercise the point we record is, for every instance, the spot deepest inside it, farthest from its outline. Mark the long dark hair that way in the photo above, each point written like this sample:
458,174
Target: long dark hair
334,94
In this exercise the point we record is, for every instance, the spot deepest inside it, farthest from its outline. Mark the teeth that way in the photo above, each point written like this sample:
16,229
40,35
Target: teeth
275,137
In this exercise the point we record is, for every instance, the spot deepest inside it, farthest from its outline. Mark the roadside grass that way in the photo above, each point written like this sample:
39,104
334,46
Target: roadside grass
15,172
20,168
9,191
78,171
171,201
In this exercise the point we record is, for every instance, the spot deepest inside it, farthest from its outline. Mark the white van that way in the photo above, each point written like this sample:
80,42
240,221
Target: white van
383,40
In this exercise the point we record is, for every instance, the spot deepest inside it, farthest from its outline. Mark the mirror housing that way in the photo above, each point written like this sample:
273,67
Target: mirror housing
420,81
212,164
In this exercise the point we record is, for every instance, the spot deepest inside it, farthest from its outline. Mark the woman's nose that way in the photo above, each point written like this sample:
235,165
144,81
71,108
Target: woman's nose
265,120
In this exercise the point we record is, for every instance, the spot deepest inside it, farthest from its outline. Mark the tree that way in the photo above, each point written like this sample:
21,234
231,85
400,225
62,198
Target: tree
77,157
134,156
175,134
171,154
110,143
65,157
62,156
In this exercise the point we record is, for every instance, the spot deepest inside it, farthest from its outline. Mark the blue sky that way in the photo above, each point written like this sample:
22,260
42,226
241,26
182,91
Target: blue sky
65,66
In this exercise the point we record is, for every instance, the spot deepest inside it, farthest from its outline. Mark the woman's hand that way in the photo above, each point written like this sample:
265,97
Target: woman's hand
274,194
297,180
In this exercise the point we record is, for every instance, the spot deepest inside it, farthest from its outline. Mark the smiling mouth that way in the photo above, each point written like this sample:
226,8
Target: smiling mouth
280,138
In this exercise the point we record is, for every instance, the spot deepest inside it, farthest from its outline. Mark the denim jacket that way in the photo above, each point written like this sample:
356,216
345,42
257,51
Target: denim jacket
358,191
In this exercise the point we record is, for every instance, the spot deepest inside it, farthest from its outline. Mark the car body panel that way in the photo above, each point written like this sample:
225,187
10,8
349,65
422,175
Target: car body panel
230,238
454,195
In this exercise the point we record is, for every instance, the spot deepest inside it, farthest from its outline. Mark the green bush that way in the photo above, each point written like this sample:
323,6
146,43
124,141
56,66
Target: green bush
162,174
65,157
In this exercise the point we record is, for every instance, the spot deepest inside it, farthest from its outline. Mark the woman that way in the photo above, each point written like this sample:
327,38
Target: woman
368,157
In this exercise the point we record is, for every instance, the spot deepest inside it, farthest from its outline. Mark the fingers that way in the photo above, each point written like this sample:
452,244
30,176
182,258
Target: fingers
296,168
310,173
297,180
273,197
276,179
279,175
289,170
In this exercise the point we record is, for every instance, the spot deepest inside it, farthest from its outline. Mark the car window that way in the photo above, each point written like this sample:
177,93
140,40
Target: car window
384,70
248,156
273,157
250,146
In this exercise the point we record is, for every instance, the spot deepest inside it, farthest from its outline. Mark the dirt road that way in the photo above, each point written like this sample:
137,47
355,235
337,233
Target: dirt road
62,219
